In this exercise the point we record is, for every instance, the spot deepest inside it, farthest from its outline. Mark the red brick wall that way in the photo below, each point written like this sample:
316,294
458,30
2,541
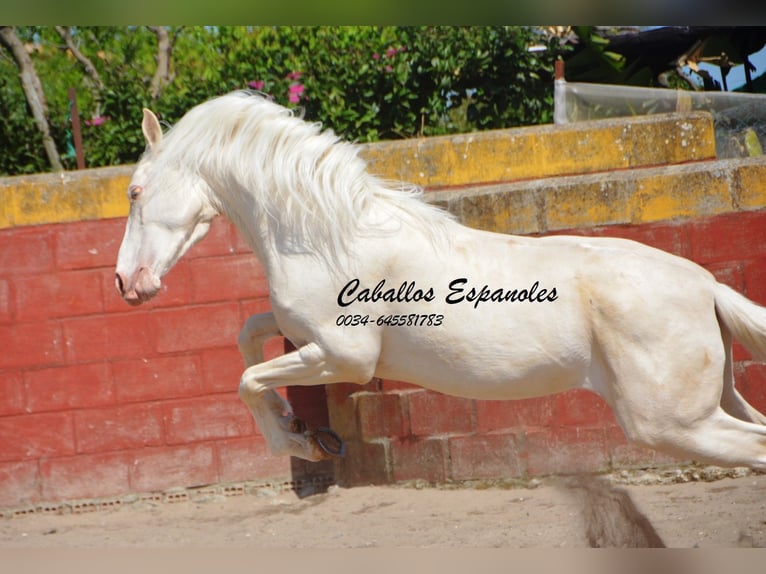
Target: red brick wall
99,399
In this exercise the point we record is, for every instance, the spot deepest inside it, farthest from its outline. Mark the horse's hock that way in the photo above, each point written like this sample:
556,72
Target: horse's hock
99,400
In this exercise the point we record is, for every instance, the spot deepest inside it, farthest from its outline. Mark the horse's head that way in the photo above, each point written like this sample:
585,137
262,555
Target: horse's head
170,211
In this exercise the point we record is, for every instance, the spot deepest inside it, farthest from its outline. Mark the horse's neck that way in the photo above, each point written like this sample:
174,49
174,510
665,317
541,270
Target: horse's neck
235,203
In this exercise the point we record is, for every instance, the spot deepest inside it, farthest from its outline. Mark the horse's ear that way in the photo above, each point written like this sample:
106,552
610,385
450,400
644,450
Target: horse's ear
151,128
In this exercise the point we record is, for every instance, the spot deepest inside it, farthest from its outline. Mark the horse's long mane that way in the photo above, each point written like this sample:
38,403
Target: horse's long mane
313,186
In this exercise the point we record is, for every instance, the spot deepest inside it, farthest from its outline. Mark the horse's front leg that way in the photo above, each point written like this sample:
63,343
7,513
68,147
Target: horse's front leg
272,413
285,434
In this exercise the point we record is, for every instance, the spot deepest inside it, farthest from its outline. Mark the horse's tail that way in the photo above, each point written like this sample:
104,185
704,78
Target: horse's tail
746,320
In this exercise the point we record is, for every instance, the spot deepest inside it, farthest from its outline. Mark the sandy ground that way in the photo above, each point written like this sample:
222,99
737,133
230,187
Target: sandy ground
560,513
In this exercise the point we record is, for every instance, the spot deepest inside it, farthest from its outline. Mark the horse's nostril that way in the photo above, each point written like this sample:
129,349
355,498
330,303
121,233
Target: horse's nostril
119,284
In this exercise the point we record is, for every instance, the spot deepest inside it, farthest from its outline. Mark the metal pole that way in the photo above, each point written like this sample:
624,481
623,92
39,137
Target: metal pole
76,133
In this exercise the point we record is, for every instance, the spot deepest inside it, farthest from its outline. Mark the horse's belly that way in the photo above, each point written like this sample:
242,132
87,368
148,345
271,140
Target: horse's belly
506,366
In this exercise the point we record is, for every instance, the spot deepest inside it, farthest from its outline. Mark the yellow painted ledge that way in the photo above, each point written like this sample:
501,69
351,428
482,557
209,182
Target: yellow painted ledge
439,162
545,151
64,197
631,197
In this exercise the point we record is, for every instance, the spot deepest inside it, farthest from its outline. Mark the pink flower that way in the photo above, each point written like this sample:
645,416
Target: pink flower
256,84
294,75
375,56
389,69
391,52
96,121
294,93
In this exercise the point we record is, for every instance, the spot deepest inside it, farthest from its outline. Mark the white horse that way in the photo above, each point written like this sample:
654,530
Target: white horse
368,280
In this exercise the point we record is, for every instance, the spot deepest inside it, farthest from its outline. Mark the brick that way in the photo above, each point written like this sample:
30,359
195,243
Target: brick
688,191
752,385
89,244
580,407
198,327
227,278
11,393
582,202
160,468
501,209
380,415
419,459
342,412
114,336
19,483
85,476
730,237
668,237
495,415
755,280
566,450
118,428
255,306
250,459
485,456
365,463
157,378
625,454
729,273
220,240
66,294
749,183
6,306
32,436
221,369
207,418
27,250
31,344
435,413
70,387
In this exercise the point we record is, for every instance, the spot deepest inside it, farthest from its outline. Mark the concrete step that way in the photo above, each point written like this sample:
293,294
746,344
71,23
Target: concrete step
617,197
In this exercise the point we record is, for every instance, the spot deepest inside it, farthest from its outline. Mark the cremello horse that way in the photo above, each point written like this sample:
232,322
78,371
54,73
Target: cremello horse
368,280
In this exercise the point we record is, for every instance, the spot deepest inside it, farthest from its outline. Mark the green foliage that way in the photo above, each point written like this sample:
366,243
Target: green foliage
366,83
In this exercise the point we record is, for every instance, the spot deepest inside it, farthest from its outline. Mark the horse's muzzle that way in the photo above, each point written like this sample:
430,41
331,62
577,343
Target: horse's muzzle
144,286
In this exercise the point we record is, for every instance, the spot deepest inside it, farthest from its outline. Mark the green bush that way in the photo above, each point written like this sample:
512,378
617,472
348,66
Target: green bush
366,83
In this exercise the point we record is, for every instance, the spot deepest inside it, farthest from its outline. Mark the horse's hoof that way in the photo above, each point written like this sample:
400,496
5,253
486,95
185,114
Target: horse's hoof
329,441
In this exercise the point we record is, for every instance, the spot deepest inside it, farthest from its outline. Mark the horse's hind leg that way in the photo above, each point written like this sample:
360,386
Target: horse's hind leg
721,440
680,398
731,401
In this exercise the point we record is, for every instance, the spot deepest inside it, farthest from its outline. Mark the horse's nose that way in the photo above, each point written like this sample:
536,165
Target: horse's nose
119,282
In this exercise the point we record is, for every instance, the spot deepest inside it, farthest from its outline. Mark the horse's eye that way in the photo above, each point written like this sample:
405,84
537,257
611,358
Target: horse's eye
134,191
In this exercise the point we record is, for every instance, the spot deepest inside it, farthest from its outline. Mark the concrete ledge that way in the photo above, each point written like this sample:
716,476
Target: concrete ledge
439,162
64,197
624,197
545,151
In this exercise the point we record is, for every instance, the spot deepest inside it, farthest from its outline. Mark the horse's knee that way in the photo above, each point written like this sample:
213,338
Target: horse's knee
249,389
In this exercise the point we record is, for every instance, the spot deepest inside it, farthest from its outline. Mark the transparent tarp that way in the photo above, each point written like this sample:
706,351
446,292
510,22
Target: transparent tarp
739,119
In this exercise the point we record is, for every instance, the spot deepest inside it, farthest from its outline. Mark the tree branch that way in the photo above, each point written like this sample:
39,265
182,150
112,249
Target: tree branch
162,76
33,91
87,65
